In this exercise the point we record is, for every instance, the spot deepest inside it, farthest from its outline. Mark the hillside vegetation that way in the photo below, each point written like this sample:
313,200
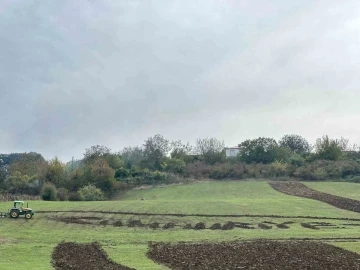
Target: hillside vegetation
101,172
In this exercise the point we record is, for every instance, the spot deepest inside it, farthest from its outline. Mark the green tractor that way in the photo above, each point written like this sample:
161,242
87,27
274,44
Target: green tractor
19,210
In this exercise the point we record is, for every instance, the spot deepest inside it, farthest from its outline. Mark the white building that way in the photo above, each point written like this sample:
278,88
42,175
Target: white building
232,151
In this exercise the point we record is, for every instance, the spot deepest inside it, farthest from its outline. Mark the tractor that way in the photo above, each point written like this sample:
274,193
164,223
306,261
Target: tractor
19,210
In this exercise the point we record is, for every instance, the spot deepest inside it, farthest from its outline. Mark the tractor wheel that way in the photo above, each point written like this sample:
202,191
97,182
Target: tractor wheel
14,213
28,215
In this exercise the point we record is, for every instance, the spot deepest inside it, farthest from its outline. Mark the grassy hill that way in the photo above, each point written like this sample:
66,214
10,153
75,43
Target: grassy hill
35,239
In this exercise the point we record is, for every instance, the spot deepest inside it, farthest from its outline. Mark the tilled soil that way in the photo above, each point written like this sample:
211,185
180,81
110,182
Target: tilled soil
190,215
260,255
230,225
74,256
300,190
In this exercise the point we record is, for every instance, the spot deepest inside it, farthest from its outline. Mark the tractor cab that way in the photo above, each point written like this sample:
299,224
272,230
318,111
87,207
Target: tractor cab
18,204
19,209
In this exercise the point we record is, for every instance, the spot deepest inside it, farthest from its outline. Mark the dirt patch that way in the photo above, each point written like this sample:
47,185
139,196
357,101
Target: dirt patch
118,223
269,222
169,225
76,220
154,225
216,226
200,226
263,255
282,226
263,226
187,227
243,225
195,215
228,226
104,222
300,190
74,256
135,223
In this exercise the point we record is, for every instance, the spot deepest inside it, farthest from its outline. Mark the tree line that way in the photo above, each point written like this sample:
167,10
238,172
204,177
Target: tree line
102,172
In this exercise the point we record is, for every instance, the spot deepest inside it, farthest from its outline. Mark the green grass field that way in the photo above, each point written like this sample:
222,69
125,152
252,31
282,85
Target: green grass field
343,189
35,239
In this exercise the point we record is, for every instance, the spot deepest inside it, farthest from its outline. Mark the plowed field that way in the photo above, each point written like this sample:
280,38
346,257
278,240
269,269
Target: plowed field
73,256
300,190
260,255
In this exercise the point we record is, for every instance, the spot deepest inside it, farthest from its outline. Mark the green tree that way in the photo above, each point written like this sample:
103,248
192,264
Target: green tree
103,175
17,182
94,152
48,192
180,150
30,164
133,156
328,149
262,150
56,173
91,193
174,165
156,149
122,173
211,149
295,143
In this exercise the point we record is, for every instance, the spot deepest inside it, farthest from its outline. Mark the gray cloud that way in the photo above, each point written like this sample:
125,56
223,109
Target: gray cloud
78,73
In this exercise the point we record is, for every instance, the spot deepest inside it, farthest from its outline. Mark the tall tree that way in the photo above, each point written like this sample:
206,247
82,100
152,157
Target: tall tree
94,152
132,156
262,150
180,150
103,175
328,149
295,143
211,149
56,173
155,149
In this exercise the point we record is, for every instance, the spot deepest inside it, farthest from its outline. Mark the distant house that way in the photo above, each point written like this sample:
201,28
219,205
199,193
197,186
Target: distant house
232,151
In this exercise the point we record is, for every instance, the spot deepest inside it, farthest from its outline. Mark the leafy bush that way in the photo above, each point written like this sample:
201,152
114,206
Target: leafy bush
74,197
147,177
62,194
175,165
48,192
91,193
122,173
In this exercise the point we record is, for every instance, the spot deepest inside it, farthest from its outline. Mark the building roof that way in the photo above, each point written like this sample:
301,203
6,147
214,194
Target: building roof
233,147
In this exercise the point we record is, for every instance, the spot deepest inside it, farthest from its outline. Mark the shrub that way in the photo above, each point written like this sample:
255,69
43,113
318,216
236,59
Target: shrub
175,165
48,192
74,196
122,173
91,193
62,194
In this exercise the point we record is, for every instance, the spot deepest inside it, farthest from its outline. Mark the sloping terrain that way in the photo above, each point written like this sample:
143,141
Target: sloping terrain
260,255
300,190
74,256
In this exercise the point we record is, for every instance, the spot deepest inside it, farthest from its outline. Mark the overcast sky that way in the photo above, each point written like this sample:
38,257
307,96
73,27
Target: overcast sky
115,72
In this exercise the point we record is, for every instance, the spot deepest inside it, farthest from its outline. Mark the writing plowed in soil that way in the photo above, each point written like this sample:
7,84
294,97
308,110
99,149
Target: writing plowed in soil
74,256
260,255
300,190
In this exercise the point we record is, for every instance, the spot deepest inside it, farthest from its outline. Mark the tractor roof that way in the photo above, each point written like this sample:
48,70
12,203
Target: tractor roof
18,201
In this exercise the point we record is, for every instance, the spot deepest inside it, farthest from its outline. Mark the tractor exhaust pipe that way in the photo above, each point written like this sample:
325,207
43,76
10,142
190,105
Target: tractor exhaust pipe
27,205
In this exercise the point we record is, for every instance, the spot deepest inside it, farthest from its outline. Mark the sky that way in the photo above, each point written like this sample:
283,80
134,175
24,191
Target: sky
114,72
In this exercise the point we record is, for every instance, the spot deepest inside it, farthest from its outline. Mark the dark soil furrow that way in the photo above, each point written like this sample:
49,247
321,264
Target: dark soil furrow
262,255
74,256
195,215
300,190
